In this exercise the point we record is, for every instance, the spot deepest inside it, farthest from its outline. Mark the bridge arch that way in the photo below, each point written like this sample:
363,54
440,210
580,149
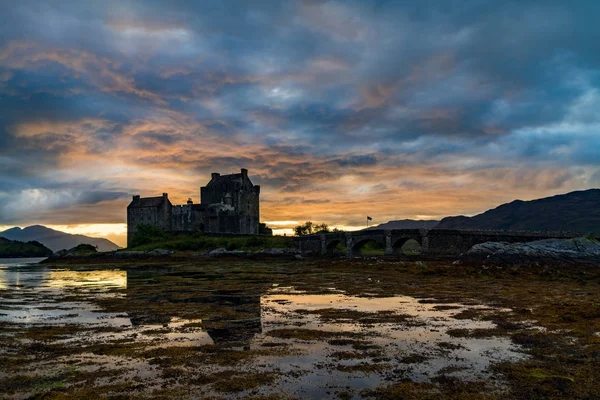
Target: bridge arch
332,245
407,245
377,245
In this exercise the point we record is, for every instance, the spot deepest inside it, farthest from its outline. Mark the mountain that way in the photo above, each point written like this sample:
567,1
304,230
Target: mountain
10,248
407,224
56,240
575,211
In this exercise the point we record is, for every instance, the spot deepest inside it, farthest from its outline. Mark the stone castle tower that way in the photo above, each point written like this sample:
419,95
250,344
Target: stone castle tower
228,204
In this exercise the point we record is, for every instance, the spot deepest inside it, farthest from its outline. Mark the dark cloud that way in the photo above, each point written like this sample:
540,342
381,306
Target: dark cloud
356,161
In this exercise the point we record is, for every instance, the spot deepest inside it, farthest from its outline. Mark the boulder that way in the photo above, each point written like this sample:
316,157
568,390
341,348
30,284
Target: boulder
579,249
128,254
281,252
160,252
217,252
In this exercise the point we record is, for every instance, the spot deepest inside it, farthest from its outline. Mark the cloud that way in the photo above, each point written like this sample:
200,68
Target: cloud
40,204
337,108
356,160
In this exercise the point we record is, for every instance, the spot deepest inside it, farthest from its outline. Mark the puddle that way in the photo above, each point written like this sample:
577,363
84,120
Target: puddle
417,347
316,343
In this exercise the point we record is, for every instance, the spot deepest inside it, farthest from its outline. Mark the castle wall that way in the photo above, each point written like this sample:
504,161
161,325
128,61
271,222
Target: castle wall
187,218
249,210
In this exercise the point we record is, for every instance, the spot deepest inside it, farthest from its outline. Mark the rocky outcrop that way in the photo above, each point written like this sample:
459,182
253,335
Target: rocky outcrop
222,252
74,254
140,254
577,250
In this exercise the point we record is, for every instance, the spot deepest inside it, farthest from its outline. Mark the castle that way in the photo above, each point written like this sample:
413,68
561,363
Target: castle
228,204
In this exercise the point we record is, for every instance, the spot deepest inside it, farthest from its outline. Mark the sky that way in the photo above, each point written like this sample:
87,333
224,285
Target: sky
338,109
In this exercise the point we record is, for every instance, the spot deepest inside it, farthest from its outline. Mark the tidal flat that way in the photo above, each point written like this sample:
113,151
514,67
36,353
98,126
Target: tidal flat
298,329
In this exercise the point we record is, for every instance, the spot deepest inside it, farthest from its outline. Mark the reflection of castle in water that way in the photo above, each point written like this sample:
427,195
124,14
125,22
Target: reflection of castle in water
237,324
228,316
223,329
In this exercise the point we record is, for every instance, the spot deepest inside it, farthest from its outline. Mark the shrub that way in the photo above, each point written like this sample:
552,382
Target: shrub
263,229
253,241
84,248
147,234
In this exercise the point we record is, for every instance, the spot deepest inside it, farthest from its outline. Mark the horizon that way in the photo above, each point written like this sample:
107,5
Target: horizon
117,233
338,110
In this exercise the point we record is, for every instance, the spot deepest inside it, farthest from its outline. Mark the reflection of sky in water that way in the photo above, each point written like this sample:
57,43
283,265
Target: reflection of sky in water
89,279
6,262
5,274
40,277
38,290
37,294
468,357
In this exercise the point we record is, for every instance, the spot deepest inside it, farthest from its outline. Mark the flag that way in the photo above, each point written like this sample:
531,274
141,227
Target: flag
369,218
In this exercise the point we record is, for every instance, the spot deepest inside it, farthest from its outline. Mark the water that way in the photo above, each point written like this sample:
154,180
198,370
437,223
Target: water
331,342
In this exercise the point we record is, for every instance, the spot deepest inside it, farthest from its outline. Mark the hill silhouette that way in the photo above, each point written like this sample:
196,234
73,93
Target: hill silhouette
14,248
575,211
56,240
407,224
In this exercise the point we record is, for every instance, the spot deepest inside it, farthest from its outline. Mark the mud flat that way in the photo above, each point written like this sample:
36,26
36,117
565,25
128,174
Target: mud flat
272,329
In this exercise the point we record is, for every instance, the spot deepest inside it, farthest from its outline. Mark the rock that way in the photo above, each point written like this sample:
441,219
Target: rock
275,252
558,250
221,252
217,252
128,254
160,252
281,251
237,253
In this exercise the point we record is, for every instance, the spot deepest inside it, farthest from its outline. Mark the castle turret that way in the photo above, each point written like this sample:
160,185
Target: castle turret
228,199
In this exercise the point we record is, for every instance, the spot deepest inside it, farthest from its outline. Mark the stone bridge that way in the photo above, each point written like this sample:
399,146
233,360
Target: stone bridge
435,242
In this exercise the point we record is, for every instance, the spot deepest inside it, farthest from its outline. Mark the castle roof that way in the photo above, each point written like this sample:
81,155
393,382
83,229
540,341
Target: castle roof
224,179
144,202
218,180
